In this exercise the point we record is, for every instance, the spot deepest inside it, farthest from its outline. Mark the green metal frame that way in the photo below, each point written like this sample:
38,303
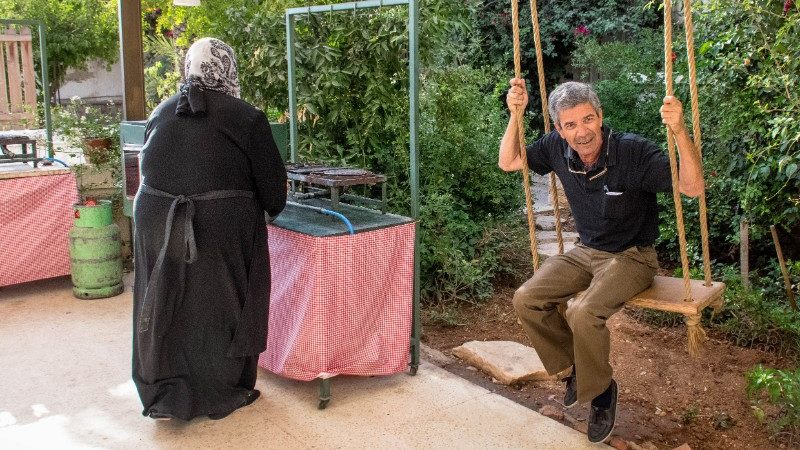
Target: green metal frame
48,123
413,89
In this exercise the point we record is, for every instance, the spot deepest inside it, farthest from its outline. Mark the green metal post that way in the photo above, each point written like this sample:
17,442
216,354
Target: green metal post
324,392
48,121
292,87
413,112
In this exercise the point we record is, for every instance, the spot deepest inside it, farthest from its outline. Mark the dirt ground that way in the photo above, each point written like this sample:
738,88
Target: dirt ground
666,398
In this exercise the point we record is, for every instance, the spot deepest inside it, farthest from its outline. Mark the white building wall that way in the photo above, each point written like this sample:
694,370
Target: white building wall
94,85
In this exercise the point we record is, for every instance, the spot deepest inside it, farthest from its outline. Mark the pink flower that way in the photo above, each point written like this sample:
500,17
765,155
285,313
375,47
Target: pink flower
787,5
583,30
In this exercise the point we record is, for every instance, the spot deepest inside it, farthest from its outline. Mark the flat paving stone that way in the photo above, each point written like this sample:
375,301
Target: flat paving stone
552,236
507,361
546,222
548,249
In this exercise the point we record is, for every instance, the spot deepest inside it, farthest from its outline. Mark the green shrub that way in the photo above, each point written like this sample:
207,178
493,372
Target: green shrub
466,199
756,318
690,414
748,72
627,79
781,390
445,315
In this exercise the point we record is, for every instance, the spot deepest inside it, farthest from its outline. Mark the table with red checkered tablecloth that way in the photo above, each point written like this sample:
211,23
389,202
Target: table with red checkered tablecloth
342,304
36,208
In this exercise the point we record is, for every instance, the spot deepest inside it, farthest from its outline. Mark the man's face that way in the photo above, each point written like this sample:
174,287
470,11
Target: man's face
581,127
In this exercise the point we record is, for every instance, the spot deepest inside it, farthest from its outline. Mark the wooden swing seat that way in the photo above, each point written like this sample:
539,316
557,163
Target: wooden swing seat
667,294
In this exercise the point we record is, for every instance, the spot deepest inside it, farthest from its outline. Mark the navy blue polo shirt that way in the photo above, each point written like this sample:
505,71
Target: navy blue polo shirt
616,209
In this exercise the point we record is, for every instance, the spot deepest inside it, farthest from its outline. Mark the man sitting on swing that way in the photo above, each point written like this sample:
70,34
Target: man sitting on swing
611,180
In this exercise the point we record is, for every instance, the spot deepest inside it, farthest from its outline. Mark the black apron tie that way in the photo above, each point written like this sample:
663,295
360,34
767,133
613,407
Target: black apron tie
148,316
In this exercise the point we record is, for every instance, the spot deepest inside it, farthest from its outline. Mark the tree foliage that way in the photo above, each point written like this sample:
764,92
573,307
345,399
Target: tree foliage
628,78
562,27
467,202
353,98
78,31
749,68
352,95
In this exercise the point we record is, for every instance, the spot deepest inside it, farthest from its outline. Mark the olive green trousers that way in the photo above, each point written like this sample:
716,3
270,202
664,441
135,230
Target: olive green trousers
605,282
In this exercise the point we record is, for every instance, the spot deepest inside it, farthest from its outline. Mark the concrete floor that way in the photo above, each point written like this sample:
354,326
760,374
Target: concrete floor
65,383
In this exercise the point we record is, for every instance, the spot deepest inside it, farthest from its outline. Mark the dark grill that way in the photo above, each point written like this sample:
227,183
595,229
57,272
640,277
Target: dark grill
321,181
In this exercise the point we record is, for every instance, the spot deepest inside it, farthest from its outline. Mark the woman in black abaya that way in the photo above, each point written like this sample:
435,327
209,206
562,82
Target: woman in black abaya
210,169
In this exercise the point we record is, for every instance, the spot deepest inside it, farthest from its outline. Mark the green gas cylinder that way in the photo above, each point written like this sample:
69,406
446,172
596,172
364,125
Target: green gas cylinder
95,249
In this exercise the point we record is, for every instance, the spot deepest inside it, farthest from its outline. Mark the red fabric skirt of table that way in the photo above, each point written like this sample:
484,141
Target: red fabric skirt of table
340,305
36,213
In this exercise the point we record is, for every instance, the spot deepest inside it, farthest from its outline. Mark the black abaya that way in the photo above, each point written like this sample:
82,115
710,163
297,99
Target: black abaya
200,310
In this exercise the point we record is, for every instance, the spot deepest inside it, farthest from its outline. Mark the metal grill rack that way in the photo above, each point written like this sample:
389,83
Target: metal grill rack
321,181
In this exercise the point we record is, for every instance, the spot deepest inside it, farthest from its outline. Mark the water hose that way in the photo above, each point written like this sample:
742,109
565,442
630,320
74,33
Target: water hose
56,160
329,213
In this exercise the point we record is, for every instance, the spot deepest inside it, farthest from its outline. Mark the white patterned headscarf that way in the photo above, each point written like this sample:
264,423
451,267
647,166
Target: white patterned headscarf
212,64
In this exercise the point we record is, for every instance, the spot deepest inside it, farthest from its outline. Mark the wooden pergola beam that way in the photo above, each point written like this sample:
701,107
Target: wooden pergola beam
131,55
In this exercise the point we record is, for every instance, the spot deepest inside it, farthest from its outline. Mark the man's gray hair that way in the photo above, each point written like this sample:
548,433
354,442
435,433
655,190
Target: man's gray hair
569,95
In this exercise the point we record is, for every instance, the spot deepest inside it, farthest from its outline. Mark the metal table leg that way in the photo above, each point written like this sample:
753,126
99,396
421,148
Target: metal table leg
34,154
335,198
324,392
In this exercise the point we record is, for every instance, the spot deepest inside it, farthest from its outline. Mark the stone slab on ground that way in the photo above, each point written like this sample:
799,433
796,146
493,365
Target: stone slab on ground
552,236
540,189
434,356
548,242
508,362
549,249
546,222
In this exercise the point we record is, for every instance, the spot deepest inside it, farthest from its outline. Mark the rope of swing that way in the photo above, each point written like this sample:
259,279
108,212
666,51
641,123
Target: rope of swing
696,133
689,28
546,118
673,164
518,115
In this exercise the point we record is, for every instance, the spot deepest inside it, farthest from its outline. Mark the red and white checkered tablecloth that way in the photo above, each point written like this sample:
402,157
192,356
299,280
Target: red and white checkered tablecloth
340,305
35,218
